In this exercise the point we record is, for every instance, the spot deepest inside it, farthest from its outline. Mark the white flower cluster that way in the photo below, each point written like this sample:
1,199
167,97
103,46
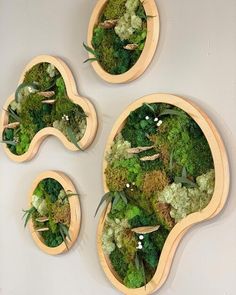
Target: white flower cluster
65,118
140,246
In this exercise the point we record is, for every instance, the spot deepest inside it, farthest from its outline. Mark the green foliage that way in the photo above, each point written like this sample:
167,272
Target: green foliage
39,74
132,167
34,115
114,9
134,277
116,178
118,262
52,239
52,188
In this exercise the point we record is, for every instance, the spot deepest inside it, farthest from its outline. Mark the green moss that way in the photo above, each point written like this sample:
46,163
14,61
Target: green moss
116,178
134,277
52,188
118,262
39,73
52,239
114,9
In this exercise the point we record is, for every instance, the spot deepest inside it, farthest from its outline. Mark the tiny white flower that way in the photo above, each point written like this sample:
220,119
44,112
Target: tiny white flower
132,189
139,243
156,119
140,247
127,185
141,237
159,123
133,183
147,117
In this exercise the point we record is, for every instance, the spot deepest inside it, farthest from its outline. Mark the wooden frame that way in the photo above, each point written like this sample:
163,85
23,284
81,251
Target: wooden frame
153,31
74,209
216,204
85,104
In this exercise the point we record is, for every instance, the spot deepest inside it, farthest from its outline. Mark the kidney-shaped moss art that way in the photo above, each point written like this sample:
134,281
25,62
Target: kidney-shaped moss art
54,214
122,38
165,169
46,103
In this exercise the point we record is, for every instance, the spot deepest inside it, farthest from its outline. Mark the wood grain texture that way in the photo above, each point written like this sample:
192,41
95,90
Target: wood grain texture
75,210
86,105
222,178
153,32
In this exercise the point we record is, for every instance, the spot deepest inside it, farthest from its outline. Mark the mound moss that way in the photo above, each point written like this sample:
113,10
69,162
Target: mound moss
160,165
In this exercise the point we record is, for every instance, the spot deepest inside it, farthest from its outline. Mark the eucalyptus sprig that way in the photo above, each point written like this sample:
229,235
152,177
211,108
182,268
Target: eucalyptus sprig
72,137
28,214
92,51
9,142
184,179
64,231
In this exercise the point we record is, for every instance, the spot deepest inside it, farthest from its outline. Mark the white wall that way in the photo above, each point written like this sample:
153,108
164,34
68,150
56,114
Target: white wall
196,58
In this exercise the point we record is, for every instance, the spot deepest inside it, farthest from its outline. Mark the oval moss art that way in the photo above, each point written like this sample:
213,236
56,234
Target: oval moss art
54,212
122,38
46,103
165,170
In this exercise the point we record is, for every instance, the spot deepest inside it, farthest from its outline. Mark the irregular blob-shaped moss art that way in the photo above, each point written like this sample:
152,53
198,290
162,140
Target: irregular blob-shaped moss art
41,101
119,35
50,214
158,170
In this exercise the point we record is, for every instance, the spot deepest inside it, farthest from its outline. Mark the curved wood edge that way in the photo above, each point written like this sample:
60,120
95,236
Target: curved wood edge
222,179
86,105
75,209
153,32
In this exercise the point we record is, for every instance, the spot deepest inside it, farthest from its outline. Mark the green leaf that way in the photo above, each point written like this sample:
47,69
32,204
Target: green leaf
10,142
122,194
28,214
72,137
21,87
137,261
184,172
107,197
90,59
171,112
185,180
65,230
150,107
12,114
89,49
116,199
63,236
171,161
144,275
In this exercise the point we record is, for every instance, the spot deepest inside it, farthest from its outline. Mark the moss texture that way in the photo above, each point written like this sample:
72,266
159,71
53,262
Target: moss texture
130,29
34,115
162,192
51,202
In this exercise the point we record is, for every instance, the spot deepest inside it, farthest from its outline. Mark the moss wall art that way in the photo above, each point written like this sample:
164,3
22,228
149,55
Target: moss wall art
123,35
45,103
54,212
158,171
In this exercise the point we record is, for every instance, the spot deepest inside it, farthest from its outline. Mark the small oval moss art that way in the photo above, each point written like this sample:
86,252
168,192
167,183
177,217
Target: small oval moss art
122,38
54,212
45,103
165,169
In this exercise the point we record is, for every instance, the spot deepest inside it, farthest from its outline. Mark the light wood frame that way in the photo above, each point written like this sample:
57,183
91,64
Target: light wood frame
73,95
153,32
75,210
222,178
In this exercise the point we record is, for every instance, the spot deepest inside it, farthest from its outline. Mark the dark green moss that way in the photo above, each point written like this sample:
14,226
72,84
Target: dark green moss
118,262
52,188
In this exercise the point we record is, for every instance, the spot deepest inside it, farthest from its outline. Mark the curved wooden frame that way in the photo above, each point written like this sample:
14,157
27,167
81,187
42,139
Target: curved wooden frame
73,95
74,209
153,32
216,204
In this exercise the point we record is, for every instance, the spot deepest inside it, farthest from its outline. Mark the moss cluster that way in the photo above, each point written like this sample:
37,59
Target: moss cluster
109,43
163,190
51,211
34,114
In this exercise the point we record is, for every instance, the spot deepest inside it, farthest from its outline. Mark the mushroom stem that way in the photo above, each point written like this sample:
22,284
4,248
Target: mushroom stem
145,229
49,101
150,158
130,47
109,24
12,125
46,94
42,229
139,149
